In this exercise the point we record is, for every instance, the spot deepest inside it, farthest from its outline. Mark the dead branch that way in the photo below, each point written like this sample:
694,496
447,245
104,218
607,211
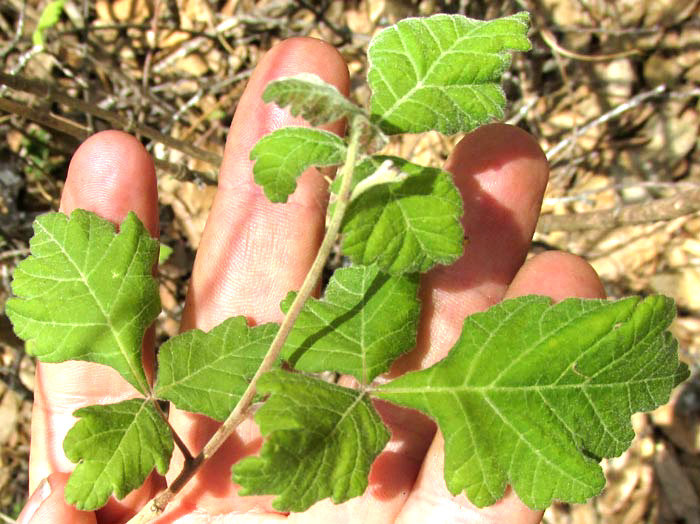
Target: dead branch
79,132
669,208
49,92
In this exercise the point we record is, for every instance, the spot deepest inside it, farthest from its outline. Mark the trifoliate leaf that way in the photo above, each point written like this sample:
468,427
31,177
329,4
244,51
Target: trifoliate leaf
116,447
533,395
407,226
87,293
442,72
365,320
321,442
305,94
208,372
284,154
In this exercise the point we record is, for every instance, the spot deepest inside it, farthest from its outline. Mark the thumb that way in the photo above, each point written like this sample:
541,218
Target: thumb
48,506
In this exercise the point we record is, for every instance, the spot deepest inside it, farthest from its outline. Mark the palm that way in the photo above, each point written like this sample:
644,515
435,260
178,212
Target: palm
253,252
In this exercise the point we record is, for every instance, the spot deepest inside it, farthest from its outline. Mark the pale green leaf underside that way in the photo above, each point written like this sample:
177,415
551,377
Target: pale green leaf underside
404,227
208,372
86,293
365,320
321,441
305,94
116,446
532,394
442,72
283,155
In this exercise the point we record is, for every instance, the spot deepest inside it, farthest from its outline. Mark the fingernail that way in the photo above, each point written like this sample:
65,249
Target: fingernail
41,493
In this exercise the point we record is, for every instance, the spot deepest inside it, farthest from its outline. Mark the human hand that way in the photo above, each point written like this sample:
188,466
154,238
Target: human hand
251,254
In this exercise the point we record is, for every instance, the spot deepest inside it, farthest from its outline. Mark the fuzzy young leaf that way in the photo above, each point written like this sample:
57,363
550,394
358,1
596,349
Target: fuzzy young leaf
321,442
533,395
442,72
365,320
86,292
407,226
116,447
208,372
305,94
283,155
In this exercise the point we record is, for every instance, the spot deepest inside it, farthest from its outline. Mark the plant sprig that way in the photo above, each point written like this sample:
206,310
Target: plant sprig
504,398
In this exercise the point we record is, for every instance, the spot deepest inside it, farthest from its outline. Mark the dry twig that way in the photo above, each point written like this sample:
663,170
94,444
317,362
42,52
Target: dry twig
669,208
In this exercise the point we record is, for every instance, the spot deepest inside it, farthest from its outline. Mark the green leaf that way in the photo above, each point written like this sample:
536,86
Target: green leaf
207,373
407,226
116,447
49,17
442,72
365,320
305,94
164,253
284,154
87,293
321,442
533,395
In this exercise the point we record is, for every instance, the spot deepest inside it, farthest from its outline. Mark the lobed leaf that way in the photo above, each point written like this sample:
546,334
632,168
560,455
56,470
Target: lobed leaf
208,373
283,155
534,394
317,101
116,446
407,226
442,72
321,441
86,292
365,320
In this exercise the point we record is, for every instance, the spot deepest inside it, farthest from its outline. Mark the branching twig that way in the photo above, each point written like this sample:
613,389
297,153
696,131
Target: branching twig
551,41
45,90
157,506
80,133
18,33
631,103
663,209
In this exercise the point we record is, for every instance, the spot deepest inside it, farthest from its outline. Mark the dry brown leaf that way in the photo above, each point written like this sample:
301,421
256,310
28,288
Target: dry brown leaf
190,204
584,514
617,78
681,426
676,488
668,12
134,11
625,254
683,285
9,415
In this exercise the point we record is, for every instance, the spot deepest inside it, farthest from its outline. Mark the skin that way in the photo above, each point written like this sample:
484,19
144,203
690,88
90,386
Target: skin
501,173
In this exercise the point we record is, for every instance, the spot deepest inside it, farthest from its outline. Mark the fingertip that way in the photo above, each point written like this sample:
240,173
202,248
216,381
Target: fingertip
501,173
111,174
500,168
312,55
47,505
557,275
493,146
254,118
